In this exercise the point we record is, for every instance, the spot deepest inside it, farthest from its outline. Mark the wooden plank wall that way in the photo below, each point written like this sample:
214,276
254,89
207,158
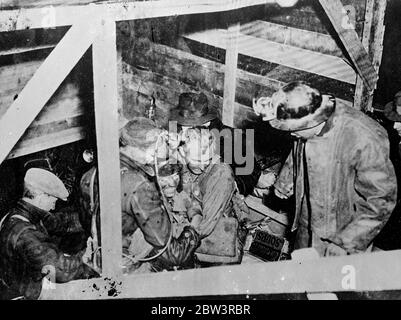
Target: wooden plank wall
64,118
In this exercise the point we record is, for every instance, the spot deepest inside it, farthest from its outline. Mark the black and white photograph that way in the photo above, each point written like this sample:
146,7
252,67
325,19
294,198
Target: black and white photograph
221,152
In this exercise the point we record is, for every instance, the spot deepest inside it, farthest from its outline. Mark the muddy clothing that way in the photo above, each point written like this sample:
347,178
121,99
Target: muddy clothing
345,185
26,247
222,214
142,208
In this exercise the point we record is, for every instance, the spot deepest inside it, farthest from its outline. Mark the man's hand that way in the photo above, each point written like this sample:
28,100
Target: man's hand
87,256
91,256
334,250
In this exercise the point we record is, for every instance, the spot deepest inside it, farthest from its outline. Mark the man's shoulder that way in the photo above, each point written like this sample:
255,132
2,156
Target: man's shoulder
363,125
16,225
222,170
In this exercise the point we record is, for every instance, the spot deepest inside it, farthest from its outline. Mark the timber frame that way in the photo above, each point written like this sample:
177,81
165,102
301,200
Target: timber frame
93,24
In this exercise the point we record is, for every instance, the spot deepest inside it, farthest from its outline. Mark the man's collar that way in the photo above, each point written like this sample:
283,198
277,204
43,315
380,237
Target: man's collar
33,213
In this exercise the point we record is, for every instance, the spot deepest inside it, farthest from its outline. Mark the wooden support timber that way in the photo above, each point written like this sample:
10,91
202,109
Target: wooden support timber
230,75
379,271
293,57
335,11
43,84
20,19
106,114
373,35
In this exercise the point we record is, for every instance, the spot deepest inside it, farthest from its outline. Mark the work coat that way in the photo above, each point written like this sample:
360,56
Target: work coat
26,246
352,183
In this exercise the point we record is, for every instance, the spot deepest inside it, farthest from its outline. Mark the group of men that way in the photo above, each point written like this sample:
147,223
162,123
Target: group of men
182,206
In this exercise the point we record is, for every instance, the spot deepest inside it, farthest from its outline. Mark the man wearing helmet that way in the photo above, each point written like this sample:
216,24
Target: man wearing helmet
148,241
339,171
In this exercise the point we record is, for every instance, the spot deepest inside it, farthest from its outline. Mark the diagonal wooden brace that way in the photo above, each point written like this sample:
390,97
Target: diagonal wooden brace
43,84
360,58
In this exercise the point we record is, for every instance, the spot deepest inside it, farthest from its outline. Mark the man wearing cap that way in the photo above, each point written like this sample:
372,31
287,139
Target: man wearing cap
146,225
339,171
222,214
26,248
193,111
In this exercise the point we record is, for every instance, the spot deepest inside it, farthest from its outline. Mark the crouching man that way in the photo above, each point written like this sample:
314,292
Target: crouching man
147,227
27,251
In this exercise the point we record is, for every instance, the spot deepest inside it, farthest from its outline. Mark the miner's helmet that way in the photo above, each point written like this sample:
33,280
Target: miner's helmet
46,182
299,106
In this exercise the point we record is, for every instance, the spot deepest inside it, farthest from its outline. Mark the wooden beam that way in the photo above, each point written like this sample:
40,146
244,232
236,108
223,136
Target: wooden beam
335,11
257,205
25,50
106,114
230,75
47,141
68,15
138,82
379,271
367,31
373,36
43,84
297,58
4,4
295,37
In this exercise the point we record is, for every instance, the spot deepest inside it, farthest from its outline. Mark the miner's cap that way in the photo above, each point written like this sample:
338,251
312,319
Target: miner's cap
46,182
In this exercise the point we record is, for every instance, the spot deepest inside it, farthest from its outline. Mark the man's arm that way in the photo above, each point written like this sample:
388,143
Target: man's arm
62,222
150,215
217,187
376,185
36,251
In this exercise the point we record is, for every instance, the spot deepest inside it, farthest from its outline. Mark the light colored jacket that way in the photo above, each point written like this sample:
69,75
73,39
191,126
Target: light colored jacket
352,182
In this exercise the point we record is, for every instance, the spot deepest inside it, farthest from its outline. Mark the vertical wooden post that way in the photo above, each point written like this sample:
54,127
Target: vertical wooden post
373,35
230,75
106,114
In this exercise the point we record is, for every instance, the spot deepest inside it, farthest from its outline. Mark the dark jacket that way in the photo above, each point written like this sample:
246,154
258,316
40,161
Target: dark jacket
142,208
352,183
26,247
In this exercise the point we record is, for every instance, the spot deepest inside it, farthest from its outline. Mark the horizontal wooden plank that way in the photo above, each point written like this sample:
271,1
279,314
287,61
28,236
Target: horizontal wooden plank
379,271
203,73
13,79
5,4
166,91
46,129
69,15
24,50
48,141
297,58
257,205
309,40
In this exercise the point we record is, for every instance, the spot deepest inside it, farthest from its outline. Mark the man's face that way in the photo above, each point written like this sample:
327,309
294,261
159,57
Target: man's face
198,149
47,202
147,156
